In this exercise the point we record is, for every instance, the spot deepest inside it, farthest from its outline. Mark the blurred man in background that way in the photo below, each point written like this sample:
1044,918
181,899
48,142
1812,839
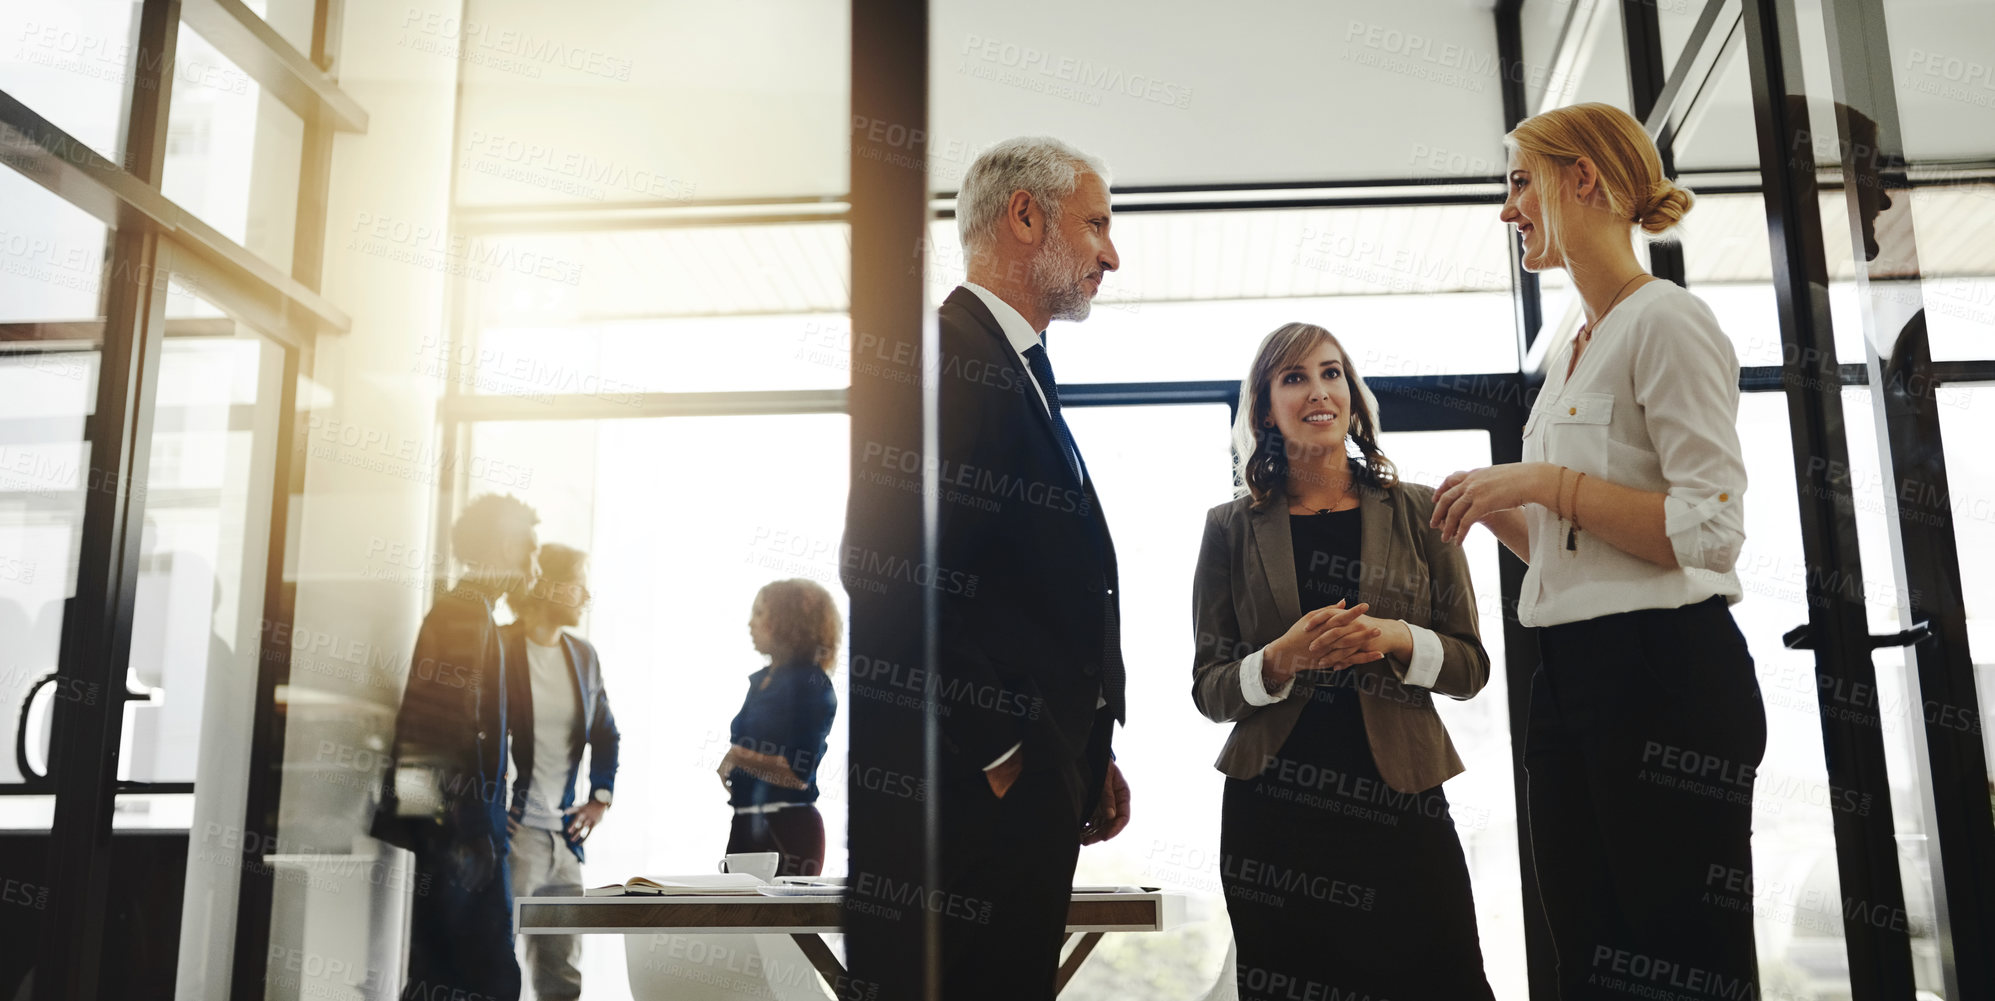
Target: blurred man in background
443,794
558,707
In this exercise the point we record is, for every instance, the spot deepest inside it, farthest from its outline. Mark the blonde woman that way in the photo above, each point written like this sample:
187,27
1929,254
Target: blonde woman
779,735
1327,612
1646,721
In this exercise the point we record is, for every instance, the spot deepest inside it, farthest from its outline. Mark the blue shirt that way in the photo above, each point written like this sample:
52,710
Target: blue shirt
791,719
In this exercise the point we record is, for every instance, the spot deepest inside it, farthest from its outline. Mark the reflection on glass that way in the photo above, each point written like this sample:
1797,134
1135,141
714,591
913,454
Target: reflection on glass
51,265
72,63
1941,72
291,19
1958,266
232,152
1797,901
1895,703
684,520
1967,423
198,621
200,556
45,394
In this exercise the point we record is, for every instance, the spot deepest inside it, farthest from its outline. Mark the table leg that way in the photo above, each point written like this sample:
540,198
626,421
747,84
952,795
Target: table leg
826,962
1075,959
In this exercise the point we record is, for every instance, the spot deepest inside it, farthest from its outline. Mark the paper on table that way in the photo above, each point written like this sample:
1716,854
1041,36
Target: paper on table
738,884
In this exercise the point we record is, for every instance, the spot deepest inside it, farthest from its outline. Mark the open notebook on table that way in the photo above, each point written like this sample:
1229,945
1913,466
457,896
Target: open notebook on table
732,884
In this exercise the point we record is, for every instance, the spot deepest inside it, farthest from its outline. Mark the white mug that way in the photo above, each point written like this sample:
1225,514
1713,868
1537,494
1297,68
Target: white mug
761,865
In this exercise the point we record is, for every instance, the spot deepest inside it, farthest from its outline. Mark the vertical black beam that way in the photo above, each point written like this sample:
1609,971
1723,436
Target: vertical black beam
1529,306
249,964
1880,956
1648,72
893,623
97,621
1952,769
1506,444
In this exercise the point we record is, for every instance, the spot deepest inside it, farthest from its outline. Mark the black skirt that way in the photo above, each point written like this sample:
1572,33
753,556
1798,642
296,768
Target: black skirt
1339,886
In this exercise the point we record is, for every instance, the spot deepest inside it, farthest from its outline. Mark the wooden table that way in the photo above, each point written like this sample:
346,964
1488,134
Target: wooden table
808,919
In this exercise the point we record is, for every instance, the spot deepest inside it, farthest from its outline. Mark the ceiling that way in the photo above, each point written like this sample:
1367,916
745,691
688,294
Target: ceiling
657,102
679,98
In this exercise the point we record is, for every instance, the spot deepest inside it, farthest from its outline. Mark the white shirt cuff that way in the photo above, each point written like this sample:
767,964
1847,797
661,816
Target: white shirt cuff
1254,688
1425,665
1006,756
1695,537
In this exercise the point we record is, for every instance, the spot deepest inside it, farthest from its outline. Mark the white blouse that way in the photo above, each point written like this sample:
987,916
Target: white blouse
1653,405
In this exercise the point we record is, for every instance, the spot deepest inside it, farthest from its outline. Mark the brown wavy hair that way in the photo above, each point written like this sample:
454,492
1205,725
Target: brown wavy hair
1261,453
803,623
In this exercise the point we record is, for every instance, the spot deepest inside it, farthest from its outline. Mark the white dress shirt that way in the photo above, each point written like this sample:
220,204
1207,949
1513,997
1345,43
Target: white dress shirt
1020,333
1022,338
1653,405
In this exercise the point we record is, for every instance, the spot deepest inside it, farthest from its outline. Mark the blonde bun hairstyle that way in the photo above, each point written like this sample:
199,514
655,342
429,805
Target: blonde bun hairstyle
1668,203
1623,155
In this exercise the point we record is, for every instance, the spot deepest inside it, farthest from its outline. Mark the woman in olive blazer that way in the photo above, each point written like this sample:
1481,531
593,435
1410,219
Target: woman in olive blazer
1327,613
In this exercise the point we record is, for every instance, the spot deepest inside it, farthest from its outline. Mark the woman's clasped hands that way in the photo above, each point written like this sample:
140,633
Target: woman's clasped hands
1331,638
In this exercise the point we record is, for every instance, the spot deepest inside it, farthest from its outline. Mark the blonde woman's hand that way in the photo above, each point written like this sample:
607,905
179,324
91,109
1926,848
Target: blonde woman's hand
1468,497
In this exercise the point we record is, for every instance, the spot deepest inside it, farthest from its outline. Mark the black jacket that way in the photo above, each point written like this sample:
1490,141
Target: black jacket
1025,574
453,723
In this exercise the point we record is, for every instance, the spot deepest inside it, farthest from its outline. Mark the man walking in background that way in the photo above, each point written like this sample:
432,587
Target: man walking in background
443,793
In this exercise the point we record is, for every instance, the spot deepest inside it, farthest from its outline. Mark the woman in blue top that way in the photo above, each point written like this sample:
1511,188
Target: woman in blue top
779,736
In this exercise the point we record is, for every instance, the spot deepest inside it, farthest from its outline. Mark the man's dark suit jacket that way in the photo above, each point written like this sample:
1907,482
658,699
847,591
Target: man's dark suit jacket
598,729
453,722
1025,573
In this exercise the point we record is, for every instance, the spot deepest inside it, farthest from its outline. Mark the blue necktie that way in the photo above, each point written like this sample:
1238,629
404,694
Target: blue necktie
1112,669
1042,370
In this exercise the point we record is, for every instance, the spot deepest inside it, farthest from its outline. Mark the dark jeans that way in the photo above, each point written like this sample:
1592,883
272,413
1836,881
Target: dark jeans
797,833
461,931
1646,729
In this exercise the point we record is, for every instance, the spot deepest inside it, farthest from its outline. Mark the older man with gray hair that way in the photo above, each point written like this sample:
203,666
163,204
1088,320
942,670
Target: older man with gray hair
1029,663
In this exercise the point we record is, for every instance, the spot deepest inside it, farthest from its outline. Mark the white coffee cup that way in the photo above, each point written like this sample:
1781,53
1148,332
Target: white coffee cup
761,865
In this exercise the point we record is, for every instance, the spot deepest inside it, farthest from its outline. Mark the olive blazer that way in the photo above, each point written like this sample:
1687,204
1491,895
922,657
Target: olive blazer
1245,596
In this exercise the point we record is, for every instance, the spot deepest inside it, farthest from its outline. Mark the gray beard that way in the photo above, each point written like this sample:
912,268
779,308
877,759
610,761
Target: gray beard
1065,292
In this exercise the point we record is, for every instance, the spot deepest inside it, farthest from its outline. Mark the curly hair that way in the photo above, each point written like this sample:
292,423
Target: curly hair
485,526
804,624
